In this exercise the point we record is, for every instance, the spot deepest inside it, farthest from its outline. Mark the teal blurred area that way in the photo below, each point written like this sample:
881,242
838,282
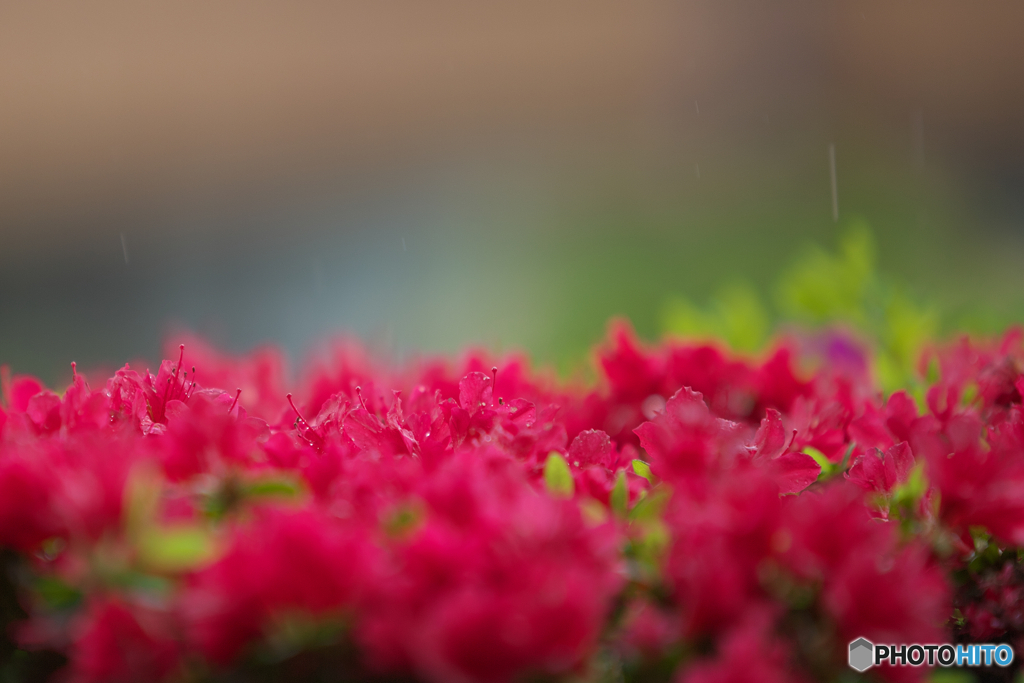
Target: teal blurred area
432,176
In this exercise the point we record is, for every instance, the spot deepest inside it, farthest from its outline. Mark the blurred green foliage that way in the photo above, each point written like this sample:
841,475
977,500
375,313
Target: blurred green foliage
735,315
821,289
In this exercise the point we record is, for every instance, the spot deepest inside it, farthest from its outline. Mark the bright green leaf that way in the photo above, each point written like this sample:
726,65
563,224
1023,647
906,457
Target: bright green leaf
276,488
681,317
744,320
643,469
175,549
819,458
823,287
735,315
558,477
910,491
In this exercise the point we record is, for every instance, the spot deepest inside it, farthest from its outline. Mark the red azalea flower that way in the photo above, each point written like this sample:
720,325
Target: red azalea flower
749,652
120,644
283,562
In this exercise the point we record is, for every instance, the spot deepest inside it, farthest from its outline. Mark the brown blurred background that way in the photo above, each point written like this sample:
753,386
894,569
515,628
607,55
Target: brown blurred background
429,175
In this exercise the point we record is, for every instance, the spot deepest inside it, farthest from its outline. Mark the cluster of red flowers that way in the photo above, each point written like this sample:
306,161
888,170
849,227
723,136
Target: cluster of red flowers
695,516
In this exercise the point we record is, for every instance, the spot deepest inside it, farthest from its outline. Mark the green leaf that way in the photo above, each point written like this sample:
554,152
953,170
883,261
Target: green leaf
910,491
644,470
917,484
654,539
904,330
176,549
651,505
681,317
404,519
558,477
745,321
56,593
819,458
823,287
619,499
293,631
970,393
274,488
735,314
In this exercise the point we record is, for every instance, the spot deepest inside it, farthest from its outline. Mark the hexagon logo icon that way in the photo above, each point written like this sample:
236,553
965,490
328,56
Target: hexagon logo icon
862,654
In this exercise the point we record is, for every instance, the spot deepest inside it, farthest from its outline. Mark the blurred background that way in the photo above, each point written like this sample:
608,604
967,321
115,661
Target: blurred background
432,175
